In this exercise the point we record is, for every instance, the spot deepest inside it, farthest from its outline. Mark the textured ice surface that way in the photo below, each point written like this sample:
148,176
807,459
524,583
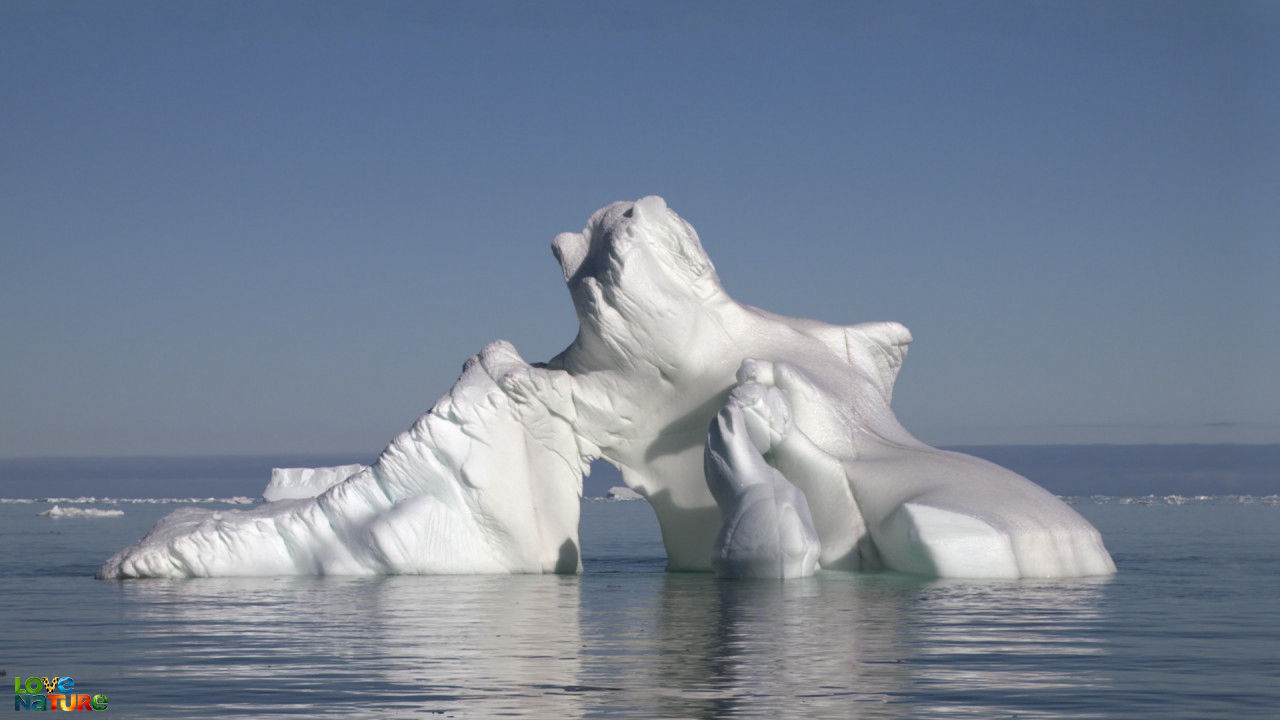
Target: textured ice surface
293,483
479,484
489,479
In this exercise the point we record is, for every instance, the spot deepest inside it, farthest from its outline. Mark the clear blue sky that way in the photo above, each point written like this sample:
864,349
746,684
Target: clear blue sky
255,227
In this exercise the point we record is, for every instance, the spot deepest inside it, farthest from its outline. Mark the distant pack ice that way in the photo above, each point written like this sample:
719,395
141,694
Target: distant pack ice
765,444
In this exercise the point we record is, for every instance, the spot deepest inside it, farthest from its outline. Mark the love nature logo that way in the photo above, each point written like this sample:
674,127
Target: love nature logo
52,693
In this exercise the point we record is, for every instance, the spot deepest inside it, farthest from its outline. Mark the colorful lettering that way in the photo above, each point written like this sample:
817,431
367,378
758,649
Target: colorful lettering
37,693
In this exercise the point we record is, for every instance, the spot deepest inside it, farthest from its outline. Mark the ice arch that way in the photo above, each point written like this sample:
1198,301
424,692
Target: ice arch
489,479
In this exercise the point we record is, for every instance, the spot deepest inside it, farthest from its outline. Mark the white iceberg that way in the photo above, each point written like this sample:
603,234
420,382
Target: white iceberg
480,484
489,480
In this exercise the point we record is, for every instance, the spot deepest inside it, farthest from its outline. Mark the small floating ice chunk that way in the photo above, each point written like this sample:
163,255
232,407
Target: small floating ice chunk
294,483
621,494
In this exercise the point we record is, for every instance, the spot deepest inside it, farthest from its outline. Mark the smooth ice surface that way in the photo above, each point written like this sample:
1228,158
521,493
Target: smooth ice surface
766,530
294,483
489,479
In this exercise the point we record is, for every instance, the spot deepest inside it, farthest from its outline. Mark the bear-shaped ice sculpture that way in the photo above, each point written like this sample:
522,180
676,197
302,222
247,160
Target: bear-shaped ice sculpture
487,480
659,345
766,530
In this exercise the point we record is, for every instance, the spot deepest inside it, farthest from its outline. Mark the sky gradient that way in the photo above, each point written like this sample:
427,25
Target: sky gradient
282,227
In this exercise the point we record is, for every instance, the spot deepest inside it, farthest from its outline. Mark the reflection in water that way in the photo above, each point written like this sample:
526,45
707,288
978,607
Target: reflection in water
479,645
1187,630
778,648
990,649
491,645
839,645
622,645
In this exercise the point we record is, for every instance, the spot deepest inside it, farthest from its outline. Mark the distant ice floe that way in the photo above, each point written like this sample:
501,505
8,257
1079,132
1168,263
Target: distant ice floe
623,494
90,500
1175,500
58,512
616,494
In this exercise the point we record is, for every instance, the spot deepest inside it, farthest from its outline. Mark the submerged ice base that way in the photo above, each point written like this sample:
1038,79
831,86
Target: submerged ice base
489,480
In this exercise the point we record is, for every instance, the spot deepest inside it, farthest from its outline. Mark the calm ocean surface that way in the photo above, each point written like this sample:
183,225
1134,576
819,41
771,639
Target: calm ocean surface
1189,628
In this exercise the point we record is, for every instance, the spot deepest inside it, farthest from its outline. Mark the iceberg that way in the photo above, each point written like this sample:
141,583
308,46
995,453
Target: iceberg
765,444
479,484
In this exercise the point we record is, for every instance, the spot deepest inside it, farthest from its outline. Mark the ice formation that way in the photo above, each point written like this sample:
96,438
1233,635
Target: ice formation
766,529
294,483
480,484
489,479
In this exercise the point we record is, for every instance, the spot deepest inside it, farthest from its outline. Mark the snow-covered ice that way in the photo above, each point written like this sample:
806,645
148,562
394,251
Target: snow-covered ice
489,479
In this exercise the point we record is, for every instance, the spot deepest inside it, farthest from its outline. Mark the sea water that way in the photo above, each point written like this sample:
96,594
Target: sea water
1188,628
